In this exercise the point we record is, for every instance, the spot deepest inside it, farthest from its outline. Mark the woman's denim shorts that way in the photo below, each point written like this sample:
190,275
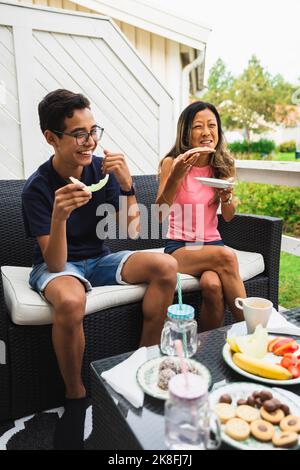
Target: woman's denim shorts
91,272
173,245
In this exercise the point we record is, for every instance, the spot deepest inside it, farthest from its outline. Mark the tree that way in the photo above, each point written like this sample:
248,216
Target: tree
286,109
219,83
253,107
252,101
219,92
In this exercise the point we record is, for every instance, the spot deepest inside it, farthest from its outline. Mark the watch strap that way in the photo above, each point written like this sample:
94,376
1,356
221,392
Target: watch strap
131,192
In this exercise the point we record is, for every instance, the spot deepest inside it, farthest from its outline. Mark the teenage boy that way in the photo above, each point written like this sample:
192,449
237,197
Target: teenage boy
69,258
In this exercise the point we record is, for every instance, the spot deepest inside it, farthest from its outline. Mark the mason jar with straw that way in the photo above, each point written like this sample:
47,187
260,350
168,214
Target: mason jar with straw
188,417
180,325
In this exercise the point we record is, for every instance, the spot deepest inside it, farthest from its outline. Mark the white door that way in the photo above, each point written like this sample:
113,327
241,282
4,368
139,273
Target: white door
43,49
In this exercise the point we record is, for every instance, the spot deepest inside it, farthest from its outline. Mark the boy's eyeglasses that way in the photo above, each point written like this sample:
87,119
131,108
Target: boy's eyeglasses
82,137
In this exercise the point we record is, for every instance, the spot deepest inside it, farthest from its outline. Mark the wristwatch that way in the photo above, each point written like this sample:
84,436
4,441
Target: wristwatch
131,192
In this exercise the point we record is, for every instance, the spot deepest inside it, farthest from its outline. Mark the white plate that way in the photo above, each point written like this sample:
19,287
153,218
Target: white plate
147,375
215,183
241,390
227,355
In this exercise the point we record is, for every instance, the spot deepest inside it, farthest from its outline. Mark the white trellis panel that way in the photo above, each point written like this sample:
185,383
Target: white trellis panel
43,49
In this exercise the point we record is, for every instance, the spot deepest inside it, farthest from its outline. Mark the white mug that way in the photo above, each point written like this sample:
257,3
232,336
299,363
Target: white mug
256,311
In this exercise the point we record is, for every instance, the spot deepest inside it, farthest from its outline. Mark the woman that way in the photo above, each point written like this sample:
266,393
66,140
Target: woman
193,238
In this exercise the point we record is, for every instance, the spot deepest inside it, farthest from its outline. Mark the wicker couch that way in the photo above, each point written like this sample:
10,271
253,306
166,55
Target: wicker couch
29,376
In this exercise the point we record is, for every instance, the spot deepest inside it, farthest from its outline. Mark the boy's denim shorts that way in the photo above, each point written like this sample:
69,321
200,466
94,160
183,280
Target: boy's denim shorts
93,272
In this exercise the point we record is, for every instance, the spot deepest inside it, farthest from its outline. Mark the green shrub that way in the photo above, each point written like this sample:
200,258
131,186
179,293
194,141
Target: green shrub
262,147
276,201
287,147
239,147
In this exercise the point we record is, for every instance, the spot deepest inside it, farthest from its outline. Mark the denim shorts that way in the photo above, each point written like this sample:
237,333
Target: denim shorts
93,272
173,245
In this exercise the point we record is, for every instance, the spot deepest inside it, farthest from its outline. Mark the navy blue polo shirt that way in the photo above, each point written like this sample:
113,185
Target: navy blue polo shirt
37,205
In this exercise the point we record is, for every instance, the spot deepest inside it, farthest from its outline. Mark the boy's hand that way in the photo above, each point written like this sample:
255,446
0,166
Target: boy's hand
115,163
67,199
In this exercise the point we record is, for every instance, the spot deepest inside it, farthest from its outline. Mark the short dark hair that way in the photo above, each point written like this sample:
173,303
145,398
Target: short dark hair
58,105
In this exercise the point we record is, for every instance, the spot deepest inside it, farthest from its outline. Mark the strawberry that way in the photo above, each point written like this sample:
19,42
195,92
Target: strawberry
286,362
289,355
295,371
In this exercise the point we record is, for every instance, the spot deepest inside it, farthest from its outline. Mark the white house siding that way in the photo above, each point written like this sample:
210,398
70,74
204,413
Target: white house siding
161,55
165,57
54,50
11,164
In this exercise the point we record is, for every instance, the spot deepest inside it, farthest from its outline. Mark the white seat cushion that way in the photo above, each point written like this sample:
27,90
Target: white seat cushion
26,307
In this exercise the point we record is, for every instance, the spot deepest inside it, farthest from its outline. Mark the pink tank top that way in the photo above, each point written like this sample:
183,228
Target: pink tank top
193,217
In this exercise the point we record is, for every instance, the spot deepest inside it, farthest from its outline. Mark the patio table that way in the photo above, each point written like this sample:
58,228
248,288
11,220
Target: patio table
119,425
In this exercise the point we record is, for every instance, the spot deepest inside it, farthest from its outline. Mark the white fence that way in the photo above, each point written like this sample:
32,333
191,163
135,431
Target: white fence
268,172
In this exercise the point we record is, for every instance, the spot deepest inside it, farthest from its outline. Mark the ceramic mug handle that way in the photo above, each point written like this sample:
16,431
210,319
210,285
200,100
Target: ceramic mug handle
239,303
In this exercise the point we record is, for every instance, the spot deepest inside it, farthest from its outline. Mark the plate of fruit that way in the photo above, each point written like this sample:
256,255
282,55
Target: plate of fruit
257,418
264,358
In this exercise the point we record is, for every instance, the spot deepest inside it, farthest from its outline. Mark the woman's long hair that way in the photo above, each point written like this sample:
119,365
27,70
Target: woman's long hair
221,161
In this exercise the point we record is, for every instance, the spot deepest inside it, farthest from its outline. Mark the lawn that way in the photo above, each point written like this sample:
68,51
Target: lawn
274,156
289,281
285,157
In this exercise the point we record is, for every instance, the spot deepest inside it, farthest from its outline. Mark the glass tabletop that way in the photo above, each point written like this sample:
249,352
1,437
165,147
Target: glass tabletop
147,423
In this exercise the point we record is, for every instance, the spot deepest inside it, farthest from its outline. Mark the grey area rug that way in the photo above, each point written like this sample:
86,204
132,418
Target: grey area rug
36,432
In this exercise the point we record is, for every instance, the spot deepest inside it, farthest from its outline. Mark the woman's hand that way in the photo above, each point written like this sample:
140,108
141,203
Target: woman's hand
226,194
182,164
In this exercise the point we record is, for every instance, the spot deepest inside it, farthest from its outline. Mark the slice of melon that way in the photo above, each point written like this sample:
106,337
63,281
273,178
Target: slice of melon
255,345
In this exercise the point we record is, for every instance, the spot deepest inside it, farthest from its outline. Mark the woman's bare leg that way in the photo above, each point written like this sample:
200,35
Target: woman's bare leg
222,260
212,307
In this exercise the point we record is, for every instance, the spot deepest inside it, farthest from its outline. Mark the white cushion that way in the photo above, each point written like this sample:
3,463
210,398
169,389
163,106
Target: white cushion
26,306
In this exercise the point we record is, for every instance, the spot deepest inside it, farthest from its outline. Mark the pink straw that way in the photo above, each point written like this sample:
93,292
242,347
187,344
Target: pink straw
179,351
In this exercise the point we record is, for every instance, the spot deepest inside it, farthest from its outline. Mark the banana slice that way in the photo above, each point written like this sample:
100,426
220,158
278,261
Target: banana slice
260,367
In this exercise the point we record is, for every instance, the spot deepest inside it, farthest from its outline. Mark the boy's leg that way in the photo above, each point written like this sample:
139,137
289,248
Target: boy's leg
159,271
67,296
